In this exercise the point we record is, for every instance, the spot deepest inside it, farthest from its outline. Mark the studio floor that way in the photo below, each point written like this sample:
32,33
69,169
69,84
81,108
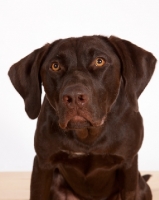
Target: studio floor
15,185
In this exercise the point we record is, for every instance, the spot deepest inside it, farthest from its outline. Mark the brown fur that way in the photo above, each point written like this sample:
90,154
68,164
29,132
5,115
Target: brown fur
89,128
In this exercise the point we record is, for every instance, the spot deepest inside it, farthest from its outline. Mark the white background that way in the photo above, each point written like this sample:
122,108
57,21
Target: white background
27,25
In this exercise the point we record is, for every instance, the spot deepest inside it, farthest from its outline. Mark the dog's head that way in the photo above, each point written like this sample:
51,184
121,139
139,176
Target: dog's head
81,78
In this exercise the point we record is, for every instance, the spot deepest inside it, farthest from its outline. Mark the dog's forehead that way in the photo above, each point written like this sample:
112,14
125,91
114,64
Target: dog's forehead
82,45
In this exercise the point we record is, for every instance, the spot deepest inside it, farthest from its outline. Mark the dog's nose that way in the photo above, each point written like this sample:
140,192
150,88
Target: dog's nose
73,97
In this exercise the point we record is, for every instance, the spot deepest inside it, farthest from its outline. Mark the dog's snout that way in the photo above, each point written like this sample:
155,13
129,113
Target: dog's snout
74,97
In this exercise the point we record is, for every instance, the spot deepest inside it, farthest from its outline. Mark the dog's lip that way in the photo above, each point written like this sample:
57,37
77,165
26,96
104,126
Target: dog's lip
78,118
80,122
74,120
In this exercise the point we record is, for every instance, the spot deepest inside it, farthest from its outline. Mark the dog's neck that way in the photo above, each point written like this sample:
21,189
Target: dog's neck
88,135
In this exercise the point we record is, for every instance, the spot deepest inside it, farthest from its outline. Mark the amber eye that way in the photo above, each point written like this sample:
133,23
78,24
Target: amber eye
55,66
99,62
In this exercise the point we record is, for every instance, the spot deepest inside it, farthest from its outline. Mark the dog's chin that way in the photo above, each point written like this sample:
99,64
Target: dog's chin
78,122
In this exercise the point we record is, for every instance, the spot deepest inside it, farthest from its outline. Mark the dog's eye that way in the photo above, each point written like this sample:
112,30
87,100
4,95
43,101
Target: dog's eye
99,62
55,66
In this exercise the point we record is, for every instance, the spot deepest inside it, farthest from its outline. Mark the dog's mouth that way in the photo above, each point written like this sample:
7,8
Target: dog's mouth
80,122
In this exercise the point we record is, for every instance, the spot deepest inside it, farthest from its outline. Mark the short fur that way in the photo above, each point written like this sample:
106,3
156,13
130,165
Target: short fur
89,128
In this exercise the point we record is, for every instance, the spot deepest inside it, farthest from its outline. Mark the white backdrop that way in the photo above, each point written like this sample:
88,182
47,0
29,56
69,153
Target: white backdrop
27,25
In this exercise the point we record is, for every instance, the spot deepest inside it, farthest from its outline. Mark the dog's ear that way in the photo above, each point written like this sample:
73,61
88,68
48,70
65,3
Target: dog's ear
25,77
137,68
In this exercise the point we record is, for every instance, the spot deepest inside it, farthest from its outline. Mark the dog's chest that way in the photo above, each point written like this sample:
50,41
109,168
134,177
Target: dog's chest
88,173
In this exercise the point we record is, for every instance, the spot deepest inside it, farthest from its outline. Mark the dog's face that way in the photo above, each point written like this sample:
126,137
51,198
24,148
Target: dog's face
81,78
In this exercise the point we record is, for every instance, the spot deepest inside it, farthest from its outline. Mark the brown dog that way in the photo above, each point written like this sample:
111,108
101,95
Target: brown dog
89,128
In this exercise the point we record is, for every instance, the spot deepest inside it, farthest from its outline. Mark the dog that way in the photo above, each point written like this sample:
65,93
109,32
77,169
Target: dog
89,128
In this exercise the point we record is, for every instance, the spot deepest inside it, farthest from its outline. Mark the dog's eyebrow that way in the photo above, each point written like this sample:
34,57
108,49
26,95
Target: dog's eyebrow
60,56
63,53
96,52
64,57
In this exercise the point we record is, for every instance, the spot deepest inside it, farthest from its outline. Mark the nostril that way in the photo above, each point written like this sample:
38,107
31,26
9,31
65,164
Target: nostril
67,99
82,99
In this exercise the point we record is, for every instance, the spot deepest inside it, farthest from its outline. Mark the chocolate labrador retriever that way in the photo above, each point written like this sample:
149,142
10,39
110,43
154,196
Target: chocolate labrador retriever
89,128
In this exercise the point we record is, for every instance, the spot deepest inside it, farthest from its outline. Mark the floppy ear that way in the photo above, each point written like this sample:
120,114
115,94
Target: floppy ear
137,68
25,77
